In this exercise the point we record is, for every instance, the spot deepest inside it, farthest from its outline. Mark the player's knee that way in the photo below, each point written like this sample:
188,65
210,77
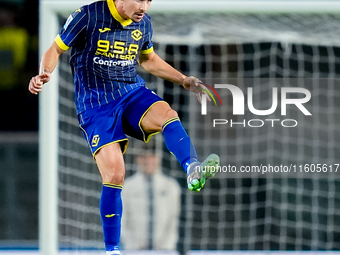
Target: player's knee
171,114
114,177
113,172
156,117
110,162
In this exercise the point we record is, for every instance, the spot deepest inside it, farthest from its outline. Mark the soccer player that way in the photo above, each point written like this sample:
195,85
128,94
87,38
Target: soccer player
108,38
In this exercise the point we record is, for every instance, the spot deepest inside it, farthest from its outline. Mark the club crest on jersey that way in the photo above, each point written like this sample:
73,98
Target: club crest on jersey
95,141
136,34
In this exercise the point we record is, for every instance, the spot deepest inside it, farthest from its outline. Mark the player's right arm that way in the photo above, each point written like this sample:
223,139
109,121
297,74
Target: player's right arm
69,34
47,65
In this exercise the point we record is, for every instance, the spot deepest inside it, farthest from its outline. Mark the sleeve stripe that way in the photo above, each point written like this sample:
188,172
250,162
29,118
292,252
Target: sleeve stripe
60,43
146,51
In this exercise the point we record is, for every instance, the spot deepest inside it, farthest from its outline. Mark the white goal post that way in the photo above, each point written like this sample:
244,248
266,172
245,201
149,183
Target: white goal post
48,101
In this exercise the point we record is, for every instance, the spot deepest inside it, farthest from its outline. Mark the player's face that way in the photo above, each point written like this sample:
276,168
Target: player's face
136,9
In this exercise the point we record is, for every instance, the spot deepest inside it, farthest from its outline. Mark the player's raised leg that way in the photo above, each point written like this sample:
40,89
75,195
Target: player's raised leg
162,118
111,166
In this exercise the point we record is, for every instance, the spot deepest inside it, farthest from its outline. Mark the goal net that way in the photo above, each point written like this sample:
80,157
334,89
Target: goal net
297,211
294,211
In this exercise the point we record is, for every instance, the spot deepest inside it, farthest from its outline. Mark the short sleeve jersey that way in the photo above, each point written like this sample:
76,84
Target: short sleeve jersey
105,49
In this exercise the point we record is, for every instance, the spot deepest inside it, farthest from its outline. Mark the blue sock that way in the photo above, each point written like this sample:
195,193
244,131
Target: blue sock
178,142
111,209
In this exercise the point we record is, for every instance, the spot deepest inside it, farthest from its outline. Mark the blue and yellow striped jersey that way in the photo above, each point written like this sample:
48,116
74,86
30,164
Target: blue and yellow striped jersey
105,49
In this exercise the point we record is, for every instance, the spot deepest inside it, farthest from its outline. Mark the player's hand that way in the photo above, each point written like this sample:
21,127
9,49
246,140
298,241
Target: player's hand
195,85
37,82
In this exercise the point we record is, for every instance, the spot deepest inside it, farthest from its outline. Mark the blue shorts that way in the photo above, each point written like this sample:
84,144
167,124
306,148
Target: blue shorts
110,123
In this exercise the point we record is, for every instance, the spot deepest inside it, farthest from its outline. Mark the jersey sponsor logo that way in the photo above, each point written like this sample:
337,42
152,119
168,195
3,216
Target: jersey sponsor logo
111,63
136,34
95,141
117,49
105,29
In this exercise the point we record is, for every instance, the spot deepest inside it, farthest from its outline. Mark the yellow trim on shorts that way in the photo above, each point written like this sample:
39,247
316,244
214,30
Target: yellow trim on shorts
60,43
146,140
144,52
124,150
94,154
111,185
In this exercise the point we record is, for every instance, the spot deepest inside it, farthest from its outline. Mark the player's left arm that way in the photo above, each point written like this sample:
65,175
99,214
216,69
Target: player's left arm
153,64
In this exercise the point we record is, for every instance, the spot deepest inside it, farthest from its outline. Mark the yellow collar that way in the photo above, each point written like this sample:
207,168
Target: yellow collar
116,15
